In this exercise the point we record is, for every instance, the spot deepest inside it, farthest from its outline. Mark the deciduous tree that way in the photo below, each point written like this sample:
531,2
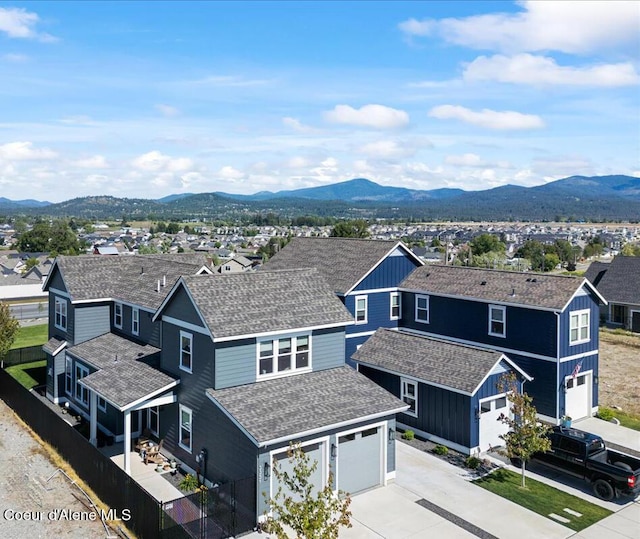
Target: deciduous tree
8,329
357,228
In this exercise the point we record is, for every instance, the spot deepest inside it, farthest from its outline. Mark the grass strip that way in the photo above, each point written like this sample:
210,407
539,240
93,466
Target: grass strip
31,336
29,375
542,498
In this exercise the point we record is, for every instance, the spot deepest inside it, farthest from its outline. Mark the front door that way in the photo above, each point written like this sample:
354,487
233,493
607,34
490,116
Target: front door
491,428
577,400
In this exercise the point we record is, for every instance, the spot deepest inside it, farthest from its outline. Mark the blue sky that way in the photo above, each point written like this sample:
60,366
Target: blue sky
146,99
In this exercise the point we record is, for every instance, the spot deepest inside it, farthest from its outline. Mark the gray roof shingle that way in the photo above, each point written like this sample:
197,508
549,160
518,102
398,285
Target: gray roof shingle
235,304
440,362
343,262
52,345
286,407
530,289
618,281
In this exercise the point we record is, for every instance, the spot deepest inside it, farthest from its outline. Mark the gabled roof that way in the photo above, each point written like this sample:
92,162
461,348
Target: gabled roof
53,346
343,262
438,362
132,279
289,407
618,281
538,290
245,304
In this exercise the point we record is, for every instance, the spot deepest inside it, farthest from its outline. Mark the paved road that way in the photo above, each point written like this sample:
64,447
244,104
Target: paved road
28,311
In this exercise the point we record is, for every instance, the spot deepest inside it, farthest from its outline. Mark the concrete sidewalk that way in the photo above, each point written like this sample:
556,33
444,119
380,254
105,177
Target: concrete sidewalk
610,432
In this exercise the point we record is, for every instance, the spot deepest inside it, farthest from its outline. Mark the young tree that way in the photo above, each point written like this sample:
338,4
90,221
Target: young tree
357,228
526,434
8,329
309,514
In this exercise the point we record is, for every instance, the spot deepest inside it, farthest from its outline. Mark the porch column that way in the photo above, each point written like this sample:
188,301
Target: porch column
127,442
93,418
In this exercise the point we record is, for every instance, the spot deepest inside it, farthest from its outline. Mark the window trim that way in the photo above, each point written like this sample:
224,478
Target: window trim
293,369
80,390
579,314
117,306
135,321
68,375
393,295
427,309
156,410
181,409
366,309
502,308
101,403
404,382
186,334
62,303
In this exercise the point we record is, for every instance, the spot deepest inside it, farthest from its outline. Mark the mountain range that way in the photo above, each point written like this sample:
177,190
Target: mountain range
577,198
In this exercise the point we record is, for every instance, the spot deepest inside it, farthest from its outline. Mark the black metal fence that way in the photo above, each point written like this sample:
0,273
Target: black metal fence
24,355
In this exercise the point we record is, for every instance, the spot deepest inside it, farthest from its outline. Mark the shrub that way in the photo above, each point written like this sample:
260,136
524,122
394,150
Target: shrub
472,462
605,413
189,483
408,435
441,449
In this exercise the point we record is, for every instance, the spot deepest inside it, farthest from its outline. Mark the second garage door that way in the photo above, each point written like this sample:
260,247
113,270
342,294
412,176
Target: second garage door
360,460
315,453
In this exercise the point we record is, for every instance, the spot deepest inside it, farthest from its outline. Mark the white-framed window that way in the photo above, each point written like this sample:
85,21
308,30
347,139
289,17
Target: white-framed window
117,315
497,320
394,306
579,331
82,393
422,309
186,351
60,320
361,309
102,404
284,356
409,394
135,321
153,419
186,417
68,376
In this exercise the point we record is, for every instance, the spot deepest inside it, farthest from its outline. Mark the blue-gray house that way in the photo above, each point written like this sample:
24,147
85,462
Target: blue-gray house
363,273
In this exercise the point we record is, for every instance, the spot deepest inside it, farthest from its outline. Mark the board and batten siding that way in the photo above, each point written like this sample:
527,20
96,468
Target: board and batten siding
390,272
544,387
91,321
235,363
579,303
378,312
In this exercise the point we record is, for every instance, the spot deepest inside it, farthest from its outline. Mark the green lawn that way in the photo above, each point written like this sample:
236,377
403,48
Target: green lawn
31,336
627,420
543,499
30,374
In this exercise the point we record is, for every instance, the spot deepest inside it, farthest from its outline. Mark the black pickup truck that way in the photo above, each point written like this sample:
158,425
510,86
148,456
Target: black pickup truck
585,455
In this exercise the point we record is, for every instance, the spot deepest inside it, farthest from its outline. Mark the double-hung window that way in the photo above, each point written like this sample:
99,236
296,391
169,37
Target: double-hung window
135,321
286,355
361,309
422,309
186,351
117,315
394,303
579,327
68,376
409,394
60,320
497,320
102,404
186,417
153,419
82,393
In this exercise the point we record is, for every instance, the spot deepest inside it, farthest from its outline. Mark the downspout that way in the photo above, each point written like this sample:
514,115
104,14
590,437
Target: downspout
558,386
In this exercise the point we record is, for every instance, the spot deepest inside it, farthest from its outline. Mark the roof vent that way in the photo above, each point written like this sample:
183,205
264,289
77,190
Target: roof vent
158,287
164,280
513,292
483,283
141,270
115,360
534,280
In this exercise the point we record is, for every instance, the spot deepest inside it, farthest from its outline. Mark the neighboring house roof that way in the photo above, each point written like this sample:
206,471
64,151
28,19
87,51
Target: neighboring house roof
435,361
124,375
133,279
343,262
253,303
618,281
539,290
284,408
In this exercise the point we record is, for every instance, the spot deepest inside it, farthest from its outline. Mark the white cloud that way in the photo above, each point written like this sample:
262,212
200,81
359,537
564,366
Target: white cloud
376,116
231,81
385,149
24,151
155,161
297,125
80,119
540,70
297,162
96,162
20,23
230,173
488,118
574,27
15,58
466,160
167,110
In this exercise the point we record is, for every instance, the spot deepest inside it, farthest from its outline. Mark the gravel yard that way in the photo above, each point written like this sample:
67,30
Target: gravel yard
620,371
27,500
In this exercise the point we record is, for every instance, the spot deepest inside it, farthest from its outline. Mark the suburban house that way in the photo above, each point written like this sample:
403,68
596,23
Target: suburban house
226,369
453,390
363,273
619,282
545,324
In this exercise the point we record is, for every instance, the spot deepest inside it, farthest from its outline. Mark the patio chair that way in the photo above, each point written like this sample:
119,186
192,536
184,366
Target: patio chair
152,454
144,440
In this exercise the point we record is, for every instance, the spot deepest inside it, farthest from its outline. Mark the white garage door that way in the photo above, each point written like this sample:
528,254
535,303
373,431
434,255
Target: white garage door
360,460
491,428
315,452
577,399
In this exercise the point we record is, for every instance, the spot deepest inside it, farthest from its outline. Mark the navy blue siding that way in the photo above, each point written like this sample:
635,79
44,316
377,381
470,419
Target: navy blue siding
544,388
378,312
469,321
351,346
577,304
589,363
390,272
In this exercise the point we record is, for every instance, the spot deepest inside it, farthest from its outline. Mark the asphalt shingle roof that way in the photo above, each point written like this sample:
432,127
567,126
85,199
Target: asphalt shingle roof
448,364
288,406
133,279
530,289
52,345
620,282
343,262
234,304
124,374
